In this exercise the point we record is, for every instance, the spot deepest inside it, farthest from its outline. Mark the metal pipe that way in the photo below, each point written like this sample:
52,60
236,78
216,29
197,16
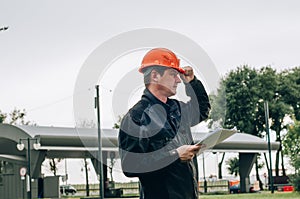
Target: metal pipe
100,166
266,106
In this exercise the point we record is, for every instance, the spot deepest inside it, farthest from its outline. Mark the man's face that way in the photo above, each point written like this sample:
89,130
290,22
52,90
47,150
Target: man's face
168,82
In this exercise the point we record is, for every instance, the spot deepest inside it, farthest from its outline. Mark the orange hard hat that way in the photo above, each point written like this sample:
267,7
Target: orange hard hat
161,57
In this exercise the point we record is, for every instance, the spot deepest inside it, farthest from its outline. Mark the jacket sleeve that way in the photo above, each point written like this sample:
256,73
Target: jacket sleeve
134,147
197,109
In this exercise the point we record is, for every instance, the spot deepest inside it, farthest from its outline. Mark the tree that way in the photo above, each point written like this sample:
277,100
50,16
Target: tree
112,157
241,99
243,88
87,124
292,149
220,176
290,89
241,102
112,154
118,123
233,166
53,162
15,117
257,167
217,116
234,106
2,117
87,186
291,145
270,86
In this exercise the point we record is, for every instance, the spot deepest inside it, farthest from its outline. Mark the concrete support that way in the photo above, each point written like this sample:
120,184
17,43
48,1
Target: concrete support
37,158
246,161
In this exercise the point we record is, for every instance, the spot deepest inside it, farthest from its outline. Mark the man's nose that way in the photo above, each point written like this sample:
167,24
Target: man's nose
177,79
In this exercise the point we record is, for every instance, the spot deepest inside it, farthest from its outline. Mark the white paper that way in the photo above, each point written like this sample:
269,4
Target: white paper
214,138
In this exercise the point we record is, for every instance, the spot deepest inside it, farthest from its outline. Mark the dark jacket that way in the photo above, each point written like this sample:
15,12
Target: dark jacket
149,135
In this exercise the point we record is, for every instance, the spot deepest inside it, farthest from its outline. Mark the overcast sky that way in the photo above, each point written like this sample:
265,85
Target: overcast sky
48,41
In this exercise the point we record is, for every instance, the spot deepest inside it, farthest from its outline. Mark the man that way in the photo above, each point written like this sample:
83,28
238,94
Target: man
155,140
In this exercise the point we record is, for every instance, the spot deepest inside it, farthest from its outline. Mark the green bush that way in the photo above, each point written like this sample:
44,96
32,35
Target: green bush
295,179
296,182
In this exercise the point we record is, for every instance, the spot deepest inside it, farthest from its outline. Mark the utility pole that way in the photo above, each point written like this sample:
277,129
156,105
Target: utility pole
266,107
100,166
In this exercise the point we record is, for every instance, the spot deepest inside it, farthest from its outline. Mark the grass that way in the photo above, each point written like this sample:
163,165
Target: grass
262,195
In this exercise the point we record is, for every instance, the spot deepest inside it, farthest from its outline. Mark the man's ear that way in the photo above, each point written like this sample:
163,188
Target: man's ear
154,75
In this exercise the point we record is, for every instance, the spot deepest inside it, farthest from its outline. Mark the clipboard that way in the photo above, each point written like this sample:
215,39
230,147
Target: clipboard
214,138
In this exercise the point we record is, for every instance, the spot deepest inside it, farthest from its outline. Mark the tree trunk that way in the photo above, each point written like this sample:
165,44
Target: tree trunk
257,174
87,186
282,165
268,168
220,167
53,166
278,139
277,163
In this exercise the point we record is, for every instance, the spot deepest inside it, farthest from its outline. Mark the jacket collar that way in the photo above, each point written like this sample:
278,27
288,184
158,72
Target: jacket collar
148,95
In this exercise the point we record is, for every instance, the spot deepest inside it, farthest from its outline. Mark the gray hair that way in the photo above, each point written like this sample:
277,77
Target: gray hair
147,72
